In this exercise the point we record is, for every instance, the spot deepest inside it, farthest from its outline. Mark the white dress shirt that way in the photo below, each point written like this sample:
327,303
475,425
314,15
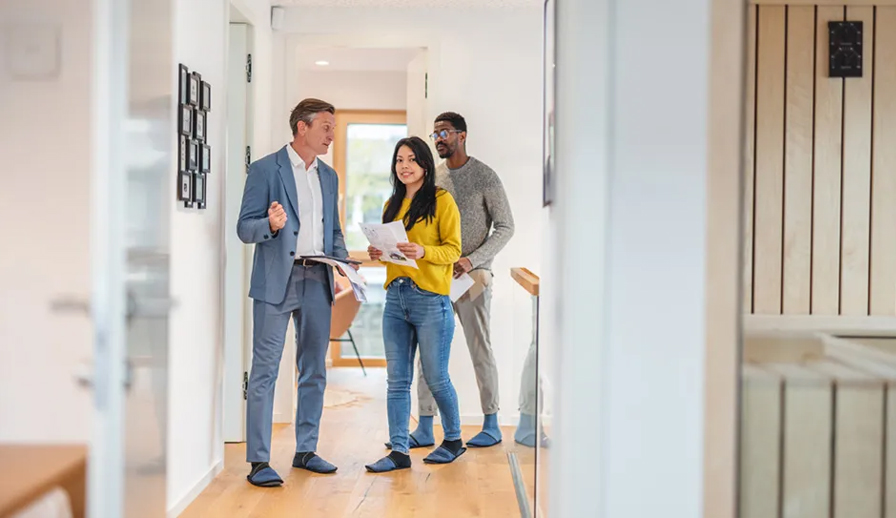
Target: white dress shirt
311,206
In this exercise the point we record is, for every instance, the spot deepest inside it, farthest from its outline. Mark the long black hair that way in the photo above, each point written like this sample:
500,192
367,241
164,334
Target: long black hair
423,206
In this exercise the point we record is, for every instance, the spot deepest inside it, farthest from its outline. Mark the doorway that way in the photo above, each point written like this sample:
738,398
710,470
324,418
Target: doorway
237,322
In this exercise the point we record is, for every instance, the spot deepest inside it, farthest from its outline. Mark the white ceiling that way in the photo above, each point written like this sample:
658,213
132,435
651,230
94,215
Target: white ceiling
354,58
409,3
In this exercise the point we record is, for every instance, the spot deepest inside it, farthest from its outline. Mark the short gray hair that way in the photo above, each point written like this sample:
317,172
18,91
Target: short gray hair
306,111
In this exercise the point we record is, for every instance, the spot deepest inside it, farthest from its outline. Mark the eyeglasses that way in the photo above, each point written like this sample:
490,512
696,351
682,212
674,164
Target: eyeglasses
443,134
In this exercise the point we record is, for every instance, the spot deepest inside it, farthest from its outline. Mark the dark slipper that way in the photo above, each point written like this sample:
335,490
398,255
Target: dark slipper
385,465
412,443
264,476
443,455
313,463
484,439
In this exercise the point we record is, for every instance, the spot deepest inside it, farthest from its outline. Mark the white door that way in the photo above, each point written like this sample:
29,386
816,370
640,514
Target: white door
133,183
235,269
417,96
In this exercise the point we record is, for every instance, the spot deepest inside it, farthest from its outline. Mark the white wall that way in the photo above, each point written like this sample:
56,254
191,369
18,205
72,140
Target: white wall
632,152
355,90
195,451
45,220
493,78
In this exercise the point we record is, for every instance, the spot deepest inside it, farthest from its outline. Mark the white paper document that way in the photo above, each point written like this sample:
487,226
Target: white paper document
359,285
460,285
385,237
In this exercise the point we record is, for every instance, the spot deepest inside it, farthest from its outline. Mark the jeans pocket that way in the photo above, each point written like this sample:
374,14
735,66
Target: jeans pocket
420,291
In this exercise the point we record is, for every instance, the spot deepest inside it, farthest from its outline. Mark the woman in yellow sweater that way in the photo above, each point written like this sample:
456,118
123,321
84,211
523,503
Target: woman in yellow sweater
418,310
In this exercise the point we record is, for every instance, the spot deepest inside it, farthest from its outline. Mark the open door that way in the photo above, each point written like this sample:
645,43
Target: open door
418,97
236,348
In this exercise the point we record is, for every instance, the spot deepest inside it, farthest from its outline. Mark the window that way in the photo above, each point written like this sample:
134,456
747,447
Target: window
362,156
368,162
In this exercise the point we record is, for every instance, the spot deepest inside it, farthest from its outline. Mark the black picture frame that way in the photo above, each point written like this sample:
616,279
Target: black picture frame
205,159
205,96
193,156
185,188
182,151
549,171
186,120
183,83
193,94
199,125
200,188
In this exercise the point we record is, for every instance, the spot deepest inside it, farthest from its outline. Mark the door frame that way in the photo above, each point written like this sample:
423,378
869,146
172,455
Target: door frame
235,280
343,119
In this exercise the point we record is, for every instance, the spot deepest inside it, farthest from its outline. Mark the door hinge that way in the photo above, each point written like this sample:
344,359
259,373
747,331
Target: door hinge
248,158
426,85
249,68
245,386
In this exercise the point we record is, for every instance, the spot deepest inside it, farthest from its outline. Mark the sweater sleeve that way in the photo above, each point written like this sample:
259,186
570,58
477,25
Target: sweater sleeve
448,221
502,218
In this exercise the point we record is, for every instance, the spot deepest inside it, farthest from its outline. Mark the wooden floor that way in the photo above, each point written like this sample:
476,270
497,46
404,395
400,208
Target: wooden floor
353,429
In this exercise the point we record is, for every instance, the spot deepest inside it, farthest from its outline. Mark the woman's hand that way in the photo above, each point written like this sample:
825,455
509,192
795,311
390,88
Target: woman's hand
374,253
411,250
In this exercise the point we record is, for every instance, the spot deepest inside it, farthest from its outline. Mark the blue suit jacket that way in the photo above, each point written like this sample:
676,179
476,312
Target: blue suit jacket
271,179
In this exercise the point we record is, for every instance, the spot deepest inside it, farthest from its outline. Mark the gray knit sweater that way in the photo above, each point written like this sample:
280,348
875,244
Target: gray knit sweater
483,204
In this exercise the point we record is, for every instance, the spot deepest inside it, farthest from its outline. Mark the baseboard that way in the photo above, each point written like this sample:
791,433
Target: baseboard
282,418
181,506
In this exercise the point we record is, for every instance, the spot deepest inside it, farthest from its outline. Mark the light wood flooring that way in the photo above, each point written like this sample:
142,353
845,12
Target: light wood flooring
478,484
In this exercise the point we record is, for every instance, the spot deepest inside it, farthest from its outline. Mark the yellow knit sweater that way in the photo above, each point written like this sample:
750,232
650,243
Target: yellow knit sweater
440,239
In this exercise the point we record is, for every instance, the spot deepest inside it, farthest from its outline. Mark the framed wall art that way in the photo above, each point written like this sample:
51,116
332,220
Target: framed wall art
205,97
199,189
199,126
195,80
205,159
193,147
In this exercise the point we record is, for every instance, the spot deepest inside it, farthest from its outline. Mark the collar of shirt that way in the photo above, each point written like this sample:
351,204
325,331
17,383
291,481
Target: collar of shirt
297,161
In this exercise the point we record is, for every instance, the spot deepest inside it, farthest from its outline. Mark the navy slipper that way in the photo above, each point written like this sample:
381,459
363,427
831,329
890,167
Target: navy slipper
443,455
264,476
484,439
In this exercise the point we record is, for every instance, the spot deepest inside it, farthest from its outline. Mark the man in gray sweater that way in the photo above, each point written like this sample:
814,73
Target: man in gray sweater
486,226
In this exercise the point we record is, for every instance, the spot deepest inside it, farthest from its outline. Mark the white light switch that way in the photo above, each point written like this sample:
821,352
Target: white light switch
32,51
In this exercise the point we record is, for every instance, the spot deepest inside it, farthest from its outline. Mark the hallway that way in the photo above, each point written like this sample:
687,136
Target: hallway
353,429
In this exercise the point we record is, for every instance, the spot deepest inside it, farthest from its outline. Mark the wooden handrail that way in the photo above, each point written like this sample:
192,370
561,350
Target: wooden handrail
30,471
528,280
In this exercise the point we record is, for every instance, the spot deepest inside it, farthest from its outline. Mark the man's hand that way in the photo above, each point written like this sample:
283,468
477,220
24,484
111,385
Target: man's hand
462,266
411,250
276,217
374,253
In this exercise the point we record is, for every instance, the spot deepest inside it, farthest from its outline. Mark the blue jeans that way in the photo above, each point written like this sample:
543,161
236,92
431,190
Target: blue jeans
415,317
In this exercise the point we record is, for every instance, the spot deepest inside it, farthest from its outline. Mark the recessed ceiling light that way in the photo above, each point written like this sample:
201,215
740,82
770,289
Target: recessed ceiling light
321,63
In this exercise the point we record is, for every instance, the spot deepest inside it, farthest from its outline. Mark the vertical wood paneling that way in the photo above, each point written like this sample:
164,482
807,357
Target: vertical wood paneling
827,163
807,442
858,440
798,159
749,158
856,217
760,443
883,175
890,458
769,217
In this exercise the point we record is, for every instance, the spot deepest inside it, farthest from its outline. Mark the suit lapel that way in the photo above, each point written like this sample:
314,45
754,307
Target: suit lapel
328,193
289,179
326,183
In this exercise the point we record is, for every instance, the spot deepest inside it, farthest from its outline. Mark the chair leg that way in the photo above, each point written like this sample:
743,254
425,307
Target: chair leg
355,347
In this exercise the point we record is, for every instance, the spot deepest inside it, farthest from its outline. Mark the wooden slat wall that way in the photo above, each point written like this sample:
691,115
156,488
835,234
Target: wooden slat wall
820,166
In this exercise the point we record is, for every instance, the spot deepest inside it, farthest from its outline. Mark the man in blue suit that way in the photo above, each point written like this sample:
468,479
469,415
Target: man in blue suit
290,211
